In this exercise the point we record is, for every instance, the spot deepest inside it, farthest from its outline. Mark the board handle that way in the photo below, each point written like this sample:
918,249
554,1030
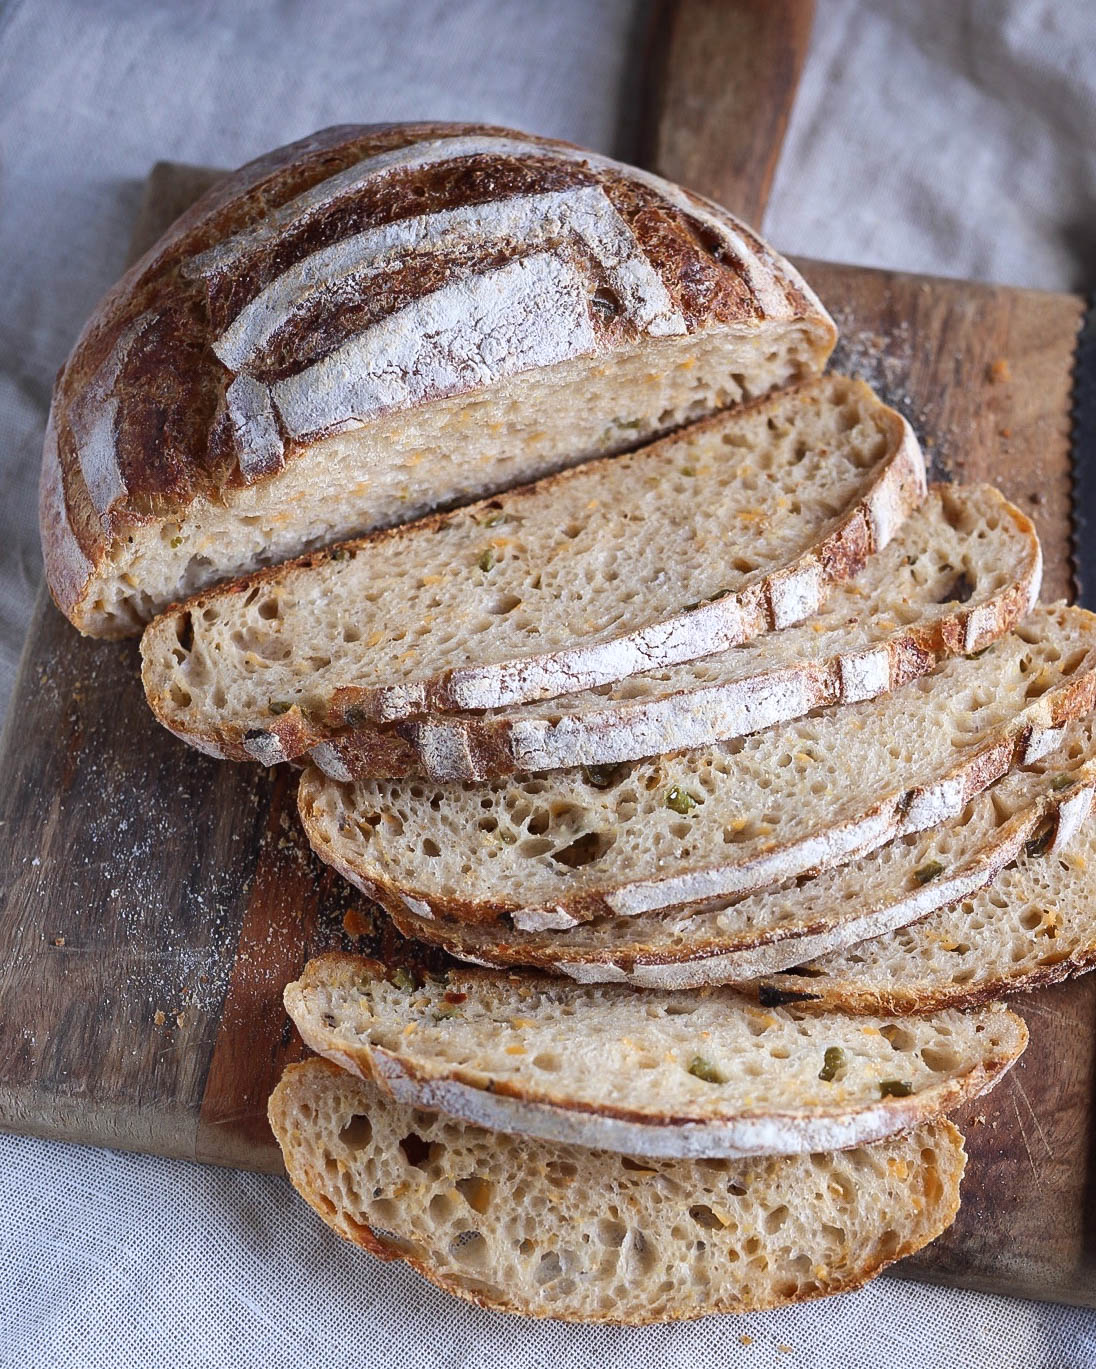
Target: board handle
722,77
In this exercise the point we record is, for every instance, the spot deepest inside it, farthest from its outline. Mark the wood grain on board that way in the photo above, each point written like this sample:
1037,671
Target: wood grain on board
153,902
724,77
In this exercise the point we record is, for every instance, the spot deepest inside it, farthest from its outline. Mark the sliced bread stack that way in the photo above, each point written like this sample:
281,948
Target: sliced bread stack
540,741
684,717
601,1154
725,696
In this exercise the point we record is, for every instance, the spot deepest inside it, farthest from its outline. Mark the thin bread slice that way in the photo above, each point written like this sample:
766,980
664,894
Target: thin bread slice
685,829
1035,925
687,547
547,1230
764,933
961,571
615,1068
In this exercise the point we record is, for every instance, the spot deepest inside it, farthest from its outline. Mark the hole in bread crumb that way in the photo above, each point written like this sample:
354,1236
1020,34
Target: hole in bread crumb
959,591
416,1151
611,1233
357,1133
561,1173
775,1219
441,1207
503,603
469,1247
534,846
703,1215
476,1192
538,822
584,850
899,1038
940,1059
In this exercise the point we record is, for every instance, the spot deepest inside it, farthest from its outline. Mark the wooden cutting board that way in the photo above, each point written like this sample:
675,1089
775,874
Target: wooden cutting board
153,903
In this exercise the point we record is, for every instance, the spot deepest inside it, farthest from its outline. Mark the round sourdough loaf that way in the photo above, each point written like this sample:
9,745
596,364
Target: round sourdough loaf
379,320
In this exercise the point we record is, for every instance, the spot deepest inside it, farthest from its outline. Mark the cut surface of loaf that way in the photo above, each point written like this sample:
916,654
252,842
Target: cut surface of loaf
704,540
613,1068
763,933
547,1230
377,320
1035,925
960,571
687,828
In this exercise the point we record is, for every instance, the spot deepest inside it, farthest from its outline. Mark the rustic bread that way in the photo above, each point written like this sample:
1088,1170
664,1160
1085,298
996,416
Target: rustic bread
1035,925
378,320
960,571
686,828
776,929
548,1230
614,1068
705,539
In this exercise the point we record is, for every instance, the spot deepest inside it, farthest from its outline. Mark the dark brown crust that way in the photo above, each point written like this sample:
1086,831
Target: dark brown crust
169,432
310,1184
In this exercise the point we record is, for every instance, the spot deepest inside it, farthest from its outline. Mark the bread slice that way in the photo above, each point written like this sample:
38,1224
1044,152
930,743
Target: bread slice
379,320
962,570
614,1068
547,1230
687,828
776,929
729,528
1035,925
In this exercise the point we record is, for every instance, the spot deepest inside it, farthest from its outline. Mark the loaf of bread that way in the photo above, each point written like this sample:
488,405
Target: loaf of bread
626,653
693,826
676,1074
549,1230
379,320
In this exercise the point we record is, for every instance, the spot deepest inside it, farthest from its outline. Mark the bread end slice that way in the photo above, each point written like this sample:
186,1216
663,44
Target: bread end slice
545,1230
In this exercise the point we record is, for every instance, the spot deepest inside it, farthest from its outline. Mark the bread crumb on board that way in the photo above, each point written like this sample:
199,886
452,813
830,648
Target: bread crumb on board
356,922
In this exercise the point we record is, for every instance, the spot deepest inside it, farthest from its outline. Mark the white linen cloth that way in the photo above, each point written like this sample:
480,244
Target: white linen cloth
948,137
